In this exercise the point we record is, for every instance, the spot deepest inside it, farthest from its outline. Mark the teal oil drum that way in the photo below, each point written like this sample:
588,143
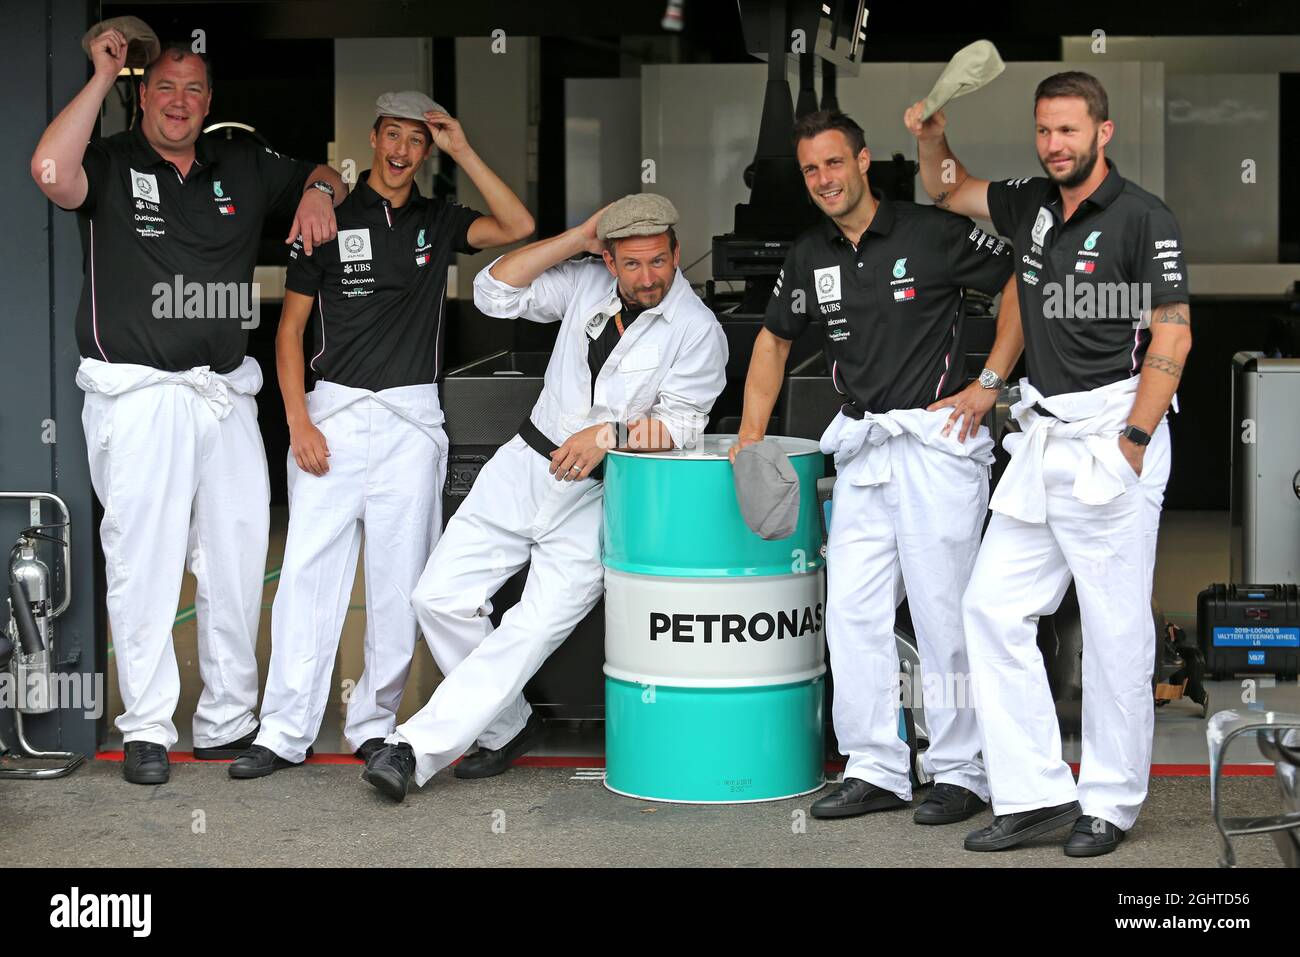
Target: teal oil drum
714,638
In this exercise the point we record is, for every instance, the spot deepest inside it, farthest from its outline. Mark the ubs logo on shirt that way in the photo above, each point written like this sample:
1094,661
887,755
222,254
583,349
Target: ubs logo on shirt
827,282
144,186
354,245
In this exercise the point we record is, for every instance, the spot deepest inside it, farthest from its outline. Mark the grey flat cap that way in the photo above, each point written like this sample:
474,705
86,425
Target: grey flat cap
637,214
406,105
970,68
767,489
142,46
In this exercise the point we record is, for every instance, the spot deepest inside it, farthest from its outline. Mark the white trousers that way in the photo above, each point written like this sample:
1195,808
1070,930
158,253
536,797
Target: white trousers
181,474
515,513
1022,572
385,478
915,534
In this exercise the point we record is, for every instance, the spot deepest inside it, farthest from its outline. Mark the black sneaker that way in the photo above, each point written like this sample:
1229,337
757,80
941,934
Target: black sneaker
948,804
486,762
1008,830
258,762
1092,837
146,763
389,770
855,796
369,747
227,752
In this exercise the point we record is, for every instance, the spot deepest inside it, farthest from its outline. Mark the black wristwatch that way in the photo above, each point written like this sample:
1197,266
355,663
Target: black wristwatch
1137,436
323,186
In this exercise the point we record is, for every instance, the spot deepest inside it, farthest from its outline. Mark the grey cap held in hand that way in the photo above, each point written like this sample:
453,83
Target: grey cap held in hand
970,68
142,46
767,490
637,214
406,105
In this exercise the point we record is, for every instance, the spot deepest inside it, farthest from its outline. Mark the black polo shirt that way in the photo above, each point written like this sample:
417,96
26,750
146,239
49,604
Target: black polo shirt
169,259
893,306
380,288
1085,284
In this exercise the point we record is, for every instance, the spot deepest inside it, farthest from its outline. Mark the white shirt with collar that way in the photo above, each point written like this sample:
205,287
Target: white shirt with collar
669,365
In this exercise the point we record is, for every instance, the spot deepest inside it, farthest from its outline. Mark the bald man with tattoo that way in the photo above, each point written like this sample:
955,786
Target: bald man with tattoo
1104,303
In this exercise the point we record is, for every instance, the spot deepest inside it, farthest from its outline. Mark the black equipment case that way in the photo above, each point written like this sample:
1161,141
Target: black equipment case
1249,629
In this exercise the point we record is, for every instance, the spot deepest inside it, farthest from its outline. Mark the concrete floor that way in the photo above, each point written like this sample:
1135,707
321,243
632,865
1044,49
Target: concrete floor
323,815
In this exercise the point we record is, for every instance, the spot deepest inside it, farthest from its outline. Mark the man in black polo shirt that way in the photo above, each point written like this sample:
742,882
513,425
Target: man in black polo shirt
886,279
367,447
1103,295
170,228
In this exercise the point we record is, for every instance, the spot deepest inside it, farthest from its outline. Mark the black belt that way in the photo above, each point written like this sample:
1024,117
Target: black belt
1041,411
852,411
539,443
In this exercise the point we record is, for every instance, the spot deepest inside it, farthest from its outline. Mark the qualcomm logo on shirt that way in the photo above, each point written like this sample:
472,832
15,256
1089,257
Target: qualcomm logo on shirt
1091,241
900,268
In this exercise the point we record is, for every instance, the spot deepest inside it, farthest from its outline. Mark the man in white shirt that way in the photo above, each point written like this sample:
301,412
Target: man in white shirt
638,351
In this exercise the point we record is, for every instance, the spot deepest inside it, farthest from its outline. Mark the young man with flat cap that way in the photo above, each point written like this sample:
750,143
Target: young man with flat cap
176,457
887,280
1104,300
638,351
368,453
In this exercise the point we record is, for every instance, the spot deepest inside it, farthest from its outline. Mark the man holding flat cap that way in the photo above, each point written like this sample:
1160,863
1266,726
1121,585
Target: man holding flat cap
170,416
367,448
638,351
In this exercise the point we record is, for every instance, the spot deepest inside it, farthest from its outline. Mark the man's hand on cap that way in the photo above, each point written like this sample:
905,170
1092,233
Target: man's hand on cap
930,130
588,232
446,131
108,53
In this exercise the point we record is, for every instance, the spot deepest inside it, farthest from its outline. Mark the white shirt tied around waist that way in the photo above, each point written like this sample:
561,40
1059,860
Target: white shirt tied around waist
670,365
417,404
115,378
846,437
1097,417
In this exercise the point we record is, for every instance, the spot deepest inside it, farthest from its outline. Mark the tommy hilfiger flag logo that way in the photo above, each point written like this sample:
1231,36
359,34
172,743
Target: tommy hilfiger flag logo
902,295
226,209
1085,265
422,259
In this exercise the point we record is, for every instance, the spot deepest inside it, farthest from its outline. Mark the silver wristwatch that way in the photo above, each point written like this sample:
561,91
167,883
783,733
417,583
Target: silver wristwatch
323,186
991,380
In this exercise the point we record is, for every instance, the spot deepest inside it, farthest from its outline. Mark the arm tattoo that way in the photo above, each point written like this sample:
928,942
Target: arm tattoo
941,200
1163,364
1173,316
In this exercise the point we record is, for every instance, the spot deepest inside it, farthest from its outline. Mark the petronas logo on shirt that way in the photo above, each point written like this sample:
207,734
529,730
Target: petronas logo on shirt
1091,241
419,240
216,188
900,268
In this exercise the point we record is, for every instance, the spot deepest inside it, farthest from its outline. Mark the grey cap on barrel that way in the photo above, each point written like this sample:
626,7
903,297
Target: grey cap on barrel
767,490
637,214
406,105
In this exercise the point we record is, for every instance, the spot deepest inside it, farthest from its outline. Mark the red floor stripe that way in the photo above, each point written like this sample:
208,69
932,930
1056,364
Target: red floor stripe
593,761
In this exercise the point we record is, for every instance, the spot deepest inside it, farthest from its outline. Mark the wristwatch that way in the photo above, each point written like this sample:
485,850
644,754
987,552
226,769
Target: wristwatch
1137,436
991,380
323,186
